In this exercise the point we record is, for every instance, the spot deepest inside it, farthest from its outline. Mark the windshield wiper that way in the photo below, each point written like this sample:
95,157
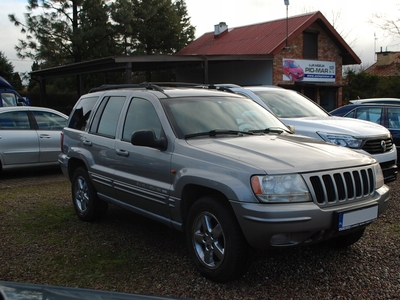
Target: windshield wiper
214,132
268,130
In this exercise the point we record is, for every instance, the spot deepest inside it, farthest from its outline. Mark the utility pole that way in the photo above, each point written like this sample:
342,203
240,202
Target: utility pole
287,24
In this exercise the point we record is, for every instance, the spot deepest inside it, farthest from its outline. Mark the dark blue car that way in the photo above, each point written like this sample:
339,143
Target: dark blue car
9,96
387,115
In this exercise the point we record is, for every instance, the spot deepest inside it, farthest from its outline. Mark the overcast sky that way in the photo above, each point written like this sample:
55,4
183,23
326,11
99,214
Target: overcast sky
352,19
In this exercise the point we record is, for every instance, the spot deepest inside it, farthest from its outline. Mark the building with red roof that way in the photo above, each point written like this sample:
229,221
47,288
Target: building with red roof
303,52
387,64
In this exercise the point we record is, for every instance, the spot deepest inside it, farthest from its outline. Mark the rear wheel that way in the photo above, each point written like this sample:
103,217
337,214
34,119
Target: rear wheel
215,241
87,204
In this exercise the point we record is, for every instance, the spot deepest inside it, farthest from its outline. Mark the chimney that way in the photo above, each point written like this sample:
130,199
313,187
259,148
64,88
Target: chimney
386,58
220,28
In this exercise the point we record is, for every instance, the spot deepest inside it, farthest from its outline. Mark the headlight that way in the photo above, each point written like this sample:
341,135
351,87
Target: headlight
379,179
280,188
341,140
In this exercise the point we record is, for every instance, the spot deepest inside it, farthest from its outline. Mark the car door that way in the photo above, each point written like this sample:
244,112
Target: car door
49,126
393,120
19,142
142,174
99,142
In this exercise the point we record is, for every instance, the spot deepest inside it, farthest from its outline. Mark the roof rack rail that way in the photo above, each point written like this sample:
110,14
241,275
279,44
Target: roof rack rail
106,87
174,84
226,87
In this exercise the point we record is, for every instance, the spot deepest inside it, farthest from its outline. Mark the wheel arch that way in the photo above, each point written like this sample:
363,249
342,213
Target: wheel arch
193,192
73,164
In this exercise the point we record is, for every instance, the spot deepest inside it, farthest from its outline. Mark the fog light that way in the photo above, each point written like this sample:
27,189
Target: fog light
281,239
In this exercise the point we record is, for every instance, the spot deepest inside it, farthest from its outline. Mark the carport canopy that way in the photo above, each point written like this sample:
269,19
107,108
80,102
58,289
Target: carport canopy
135,63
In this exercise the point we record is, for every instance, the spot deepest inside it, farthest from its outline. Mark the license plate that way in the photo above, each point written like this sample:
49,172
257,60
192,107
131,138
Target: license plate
354,218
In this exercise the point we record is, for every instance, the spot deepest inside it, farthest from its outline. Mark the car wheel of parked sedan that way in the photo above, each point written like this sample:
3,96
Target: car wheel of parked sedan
87,204
215,241
347,240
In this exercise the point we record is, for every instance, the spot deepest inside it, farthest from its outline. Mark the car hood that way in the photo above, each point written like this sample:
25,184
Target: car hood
277,154
339,125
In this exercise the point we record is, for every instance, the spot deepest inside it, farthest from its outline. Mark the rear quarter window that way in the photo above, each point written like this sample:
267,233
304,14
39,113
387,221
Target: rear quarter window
81,113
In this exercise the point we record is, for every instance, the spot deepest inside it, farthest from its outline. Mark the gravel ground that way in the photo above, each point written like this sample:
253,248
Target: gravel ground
155,260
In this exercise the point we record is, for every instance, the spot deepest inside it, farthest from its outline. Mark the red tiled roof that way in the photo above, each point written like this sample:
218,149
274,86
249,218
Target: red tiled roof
387,70
265,38
390,69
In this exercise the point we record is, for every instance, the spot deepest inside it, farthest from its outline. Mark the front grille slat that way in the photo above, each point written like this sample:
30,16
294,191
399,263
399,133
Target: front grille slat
377,146
331,188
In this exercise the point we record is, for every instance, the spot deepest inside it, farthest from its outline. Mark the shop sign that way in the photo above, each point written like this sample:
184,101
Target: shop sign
308,70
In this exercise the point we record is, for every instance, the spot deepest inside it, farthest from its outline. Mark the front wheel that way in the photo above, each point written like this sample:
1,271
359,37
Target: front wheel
215,241
87,204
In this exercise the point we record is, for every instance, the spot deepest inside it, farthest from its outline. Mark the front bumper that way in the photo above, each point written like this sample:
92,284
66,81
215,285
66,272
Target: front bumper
389,170
294,224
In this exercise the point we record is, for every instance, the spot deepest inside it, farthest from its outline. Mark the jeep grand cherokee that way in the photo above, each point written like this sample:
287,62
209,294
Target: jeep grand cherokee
219,167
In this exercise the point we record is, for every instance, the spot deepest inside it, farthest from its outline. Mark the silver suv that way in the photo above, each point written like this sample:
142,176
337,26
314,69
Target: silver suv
220,168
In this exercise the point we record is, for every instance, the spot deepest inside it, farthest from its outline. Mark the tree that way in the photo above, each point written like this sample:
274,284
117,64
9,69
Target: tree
389,24
66,32
6,67
152,26
360,85
345,32
7,72
72,31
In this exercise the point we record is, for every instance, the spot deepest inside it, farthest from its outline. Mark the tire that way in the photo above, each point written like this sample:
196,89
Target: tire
87,204
215,241
347,240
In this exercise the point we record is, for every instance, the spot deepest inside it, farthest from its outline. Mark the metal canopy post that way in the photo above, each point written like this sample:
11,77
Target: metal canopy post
128,73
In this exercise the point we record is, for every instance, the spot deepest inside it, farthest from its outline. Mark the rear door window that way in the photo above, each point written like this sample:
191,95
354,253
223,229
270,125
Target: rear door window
106,119
393,117
49,120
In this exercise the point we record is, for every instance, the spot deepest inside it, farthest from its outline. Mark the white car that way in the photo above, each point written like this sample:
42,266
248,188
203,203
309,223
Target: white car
30,136
309,119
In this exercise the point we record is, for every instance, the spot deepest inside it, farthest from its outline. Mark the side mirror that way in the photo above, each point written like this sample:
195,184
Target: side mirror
21,102
291,128
147,138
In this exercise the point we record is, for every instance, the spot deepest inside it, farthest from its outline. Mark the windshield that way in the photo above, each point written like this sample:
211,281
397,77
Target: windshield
9,99
289,104
191,116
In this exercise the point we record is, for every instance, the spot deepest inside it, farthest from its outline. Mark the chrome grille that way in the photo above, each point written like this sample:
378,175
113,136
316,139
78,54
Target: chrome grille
335,187
378,146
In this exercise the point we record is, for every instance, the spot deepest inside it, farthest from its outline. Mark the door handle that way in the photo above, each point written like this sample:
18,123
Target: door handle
87,143
121,152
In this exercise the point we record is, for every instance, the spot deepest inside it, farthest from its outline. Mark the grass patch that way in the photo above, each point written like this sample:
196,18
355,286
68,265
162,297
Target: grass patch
44,238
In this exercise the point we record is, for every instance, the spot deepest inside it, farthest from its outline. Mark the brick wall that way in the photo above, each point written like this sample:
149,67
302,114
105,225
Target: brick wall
327,51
